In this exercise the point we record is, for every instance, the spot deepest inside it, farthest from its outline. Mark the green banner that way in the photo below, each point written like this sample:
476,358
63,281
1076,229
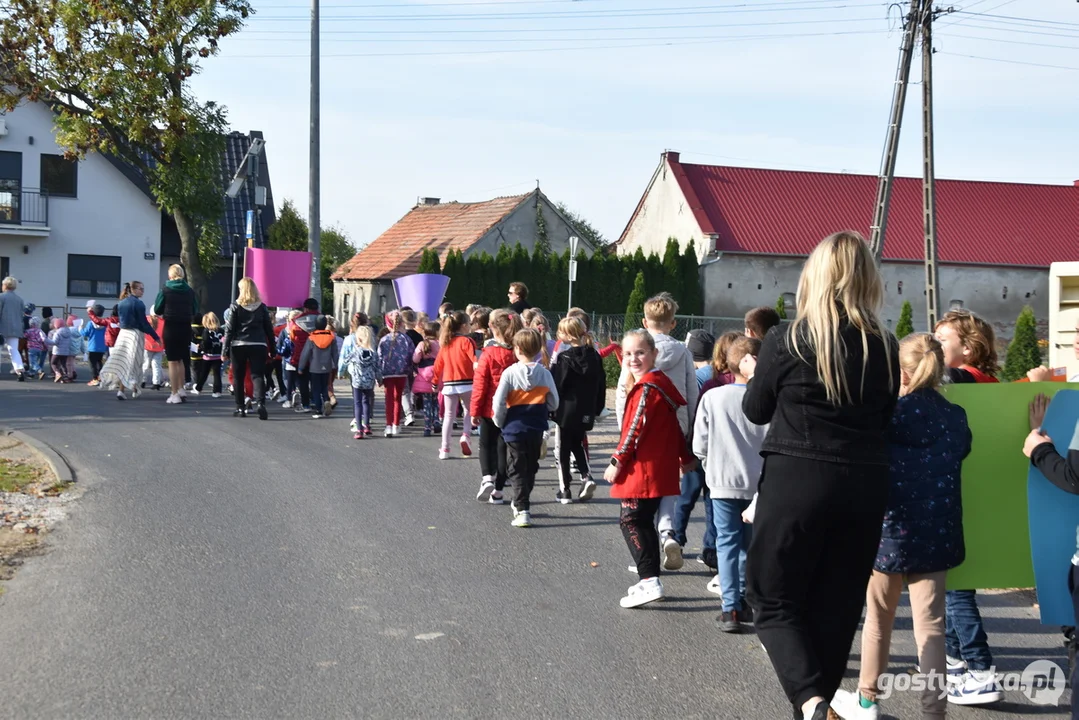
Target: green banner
995,524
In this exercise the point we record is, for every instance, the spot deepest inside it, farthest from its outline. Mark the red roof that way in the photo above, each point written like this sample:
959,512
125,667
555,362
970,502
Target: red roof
443,227
784,212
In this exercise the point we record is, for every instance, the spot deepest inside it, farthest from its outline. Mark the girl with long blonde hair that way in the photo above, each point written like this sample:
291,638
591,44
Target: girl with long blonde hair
827,386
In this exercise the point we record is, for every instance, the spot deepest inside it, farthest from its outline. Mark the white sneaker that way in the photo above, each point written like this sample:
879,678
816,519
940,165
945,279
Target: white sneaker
286,404
281,399
588,489
642,593
848,706
275,394
410,420
396,430
443,454
174,399
977,687
135,392
388,432
353,426
486,488
672,554
713,586
194,391
521,519
956,669
496,498
316,416
215,395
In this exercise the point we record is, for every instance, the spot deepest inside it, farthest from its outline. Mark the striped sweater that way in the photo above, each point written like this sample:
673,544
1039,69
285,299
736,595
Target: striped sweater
526,395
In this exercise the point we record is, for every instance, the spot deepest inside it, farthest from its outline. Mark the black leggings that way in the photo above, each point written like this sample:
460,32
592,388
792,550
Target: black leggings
97,359
492,451
638,522
205,368
815,538
571,441
244,356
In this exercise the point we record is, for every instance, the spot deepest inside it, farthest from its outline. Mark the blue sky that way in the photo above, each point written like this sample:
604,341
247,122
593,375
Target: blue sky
422,98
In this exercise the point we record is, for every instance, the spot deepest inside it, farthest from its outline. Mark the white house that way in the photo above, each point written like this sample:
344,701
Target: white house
70,231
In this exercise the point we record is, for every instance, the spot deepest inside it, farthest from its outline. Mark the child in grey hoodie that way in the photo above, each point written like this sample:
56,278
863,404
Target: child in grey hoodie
729,446
676,362
319,359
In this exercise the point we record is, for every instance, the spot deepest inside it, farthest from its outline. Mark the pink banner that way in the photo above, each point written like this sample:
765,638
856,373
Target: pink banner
283,277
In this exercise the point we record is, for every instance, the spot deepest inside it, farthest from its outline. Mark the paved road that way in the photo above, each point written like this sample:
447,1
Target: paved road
232,568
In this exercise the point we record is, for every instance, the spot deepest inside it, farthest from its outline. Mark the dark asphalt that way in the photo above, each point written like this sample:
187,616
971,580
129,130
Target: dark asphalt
246,569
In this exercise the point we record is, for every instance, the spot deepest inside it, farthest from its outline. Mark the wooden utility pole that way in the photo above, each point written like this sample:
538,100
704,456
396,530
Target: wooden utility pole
929,205
895,124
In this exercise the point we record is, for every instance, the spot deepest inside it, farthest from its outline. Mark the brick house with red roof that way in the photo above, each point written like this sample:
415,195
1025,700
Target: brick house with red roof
754,227
364,283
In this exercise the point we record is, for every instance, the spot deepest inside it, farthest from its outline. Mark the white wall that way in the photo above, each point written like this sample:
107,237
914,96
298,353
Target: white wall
110,216
664,214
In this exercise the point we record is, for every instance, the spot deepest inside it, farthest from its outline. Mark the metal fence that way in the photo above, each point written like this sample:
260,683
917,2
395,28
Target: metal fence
611,327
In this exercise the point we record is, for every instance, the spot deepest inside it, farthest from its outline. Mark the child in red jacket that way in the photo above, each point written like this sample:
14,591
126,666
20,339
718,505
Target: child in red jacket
496,357
454,372
642,469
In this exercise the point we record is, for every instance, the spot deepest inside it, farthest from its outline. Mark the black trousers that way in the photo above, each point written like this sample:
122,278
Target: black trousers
815,538
205,368
303,381
253,356
571,442
638,523
493,457
522,464
97,359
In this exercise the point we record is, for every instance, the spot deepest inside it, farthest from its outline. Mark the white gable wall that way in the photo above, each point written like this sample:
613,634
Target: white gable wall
110,216
664,213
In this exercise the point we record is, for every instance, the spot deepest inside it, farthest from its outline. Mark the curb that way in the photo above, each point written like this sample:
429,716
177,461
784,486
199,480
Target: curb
56,463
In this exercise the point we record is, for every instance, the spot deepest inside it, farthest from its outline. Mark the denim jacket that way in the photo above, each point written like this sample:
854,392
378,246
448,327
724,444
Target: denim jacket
786,392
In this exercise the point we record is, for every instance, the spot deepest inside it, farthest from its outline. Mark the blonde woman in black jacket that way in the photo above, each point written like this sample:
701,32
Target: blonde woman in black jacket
828,385
248,339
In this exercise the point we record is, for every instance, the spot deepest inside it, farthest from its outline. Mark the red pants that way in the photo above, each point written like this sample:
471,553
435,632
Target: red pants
395,388
249,387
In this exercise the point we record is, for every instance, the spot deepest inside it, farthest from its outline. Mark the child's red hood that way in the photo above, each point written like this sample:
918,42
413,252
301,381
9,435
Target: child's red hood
659,380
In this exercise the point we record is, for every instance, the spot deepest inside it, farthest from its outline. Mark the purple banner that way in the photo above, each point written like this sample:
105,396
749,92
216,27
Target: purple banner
283,277
422,292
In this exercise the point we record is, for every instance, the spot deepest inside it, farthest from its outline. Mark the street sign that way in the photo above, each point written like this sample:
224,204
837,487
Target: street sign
573,240
573,271
250,224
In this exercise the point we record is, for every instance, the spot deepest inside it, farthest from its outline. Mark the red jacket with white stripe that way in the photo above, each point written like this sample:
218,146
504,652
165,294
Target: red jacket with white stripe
652,448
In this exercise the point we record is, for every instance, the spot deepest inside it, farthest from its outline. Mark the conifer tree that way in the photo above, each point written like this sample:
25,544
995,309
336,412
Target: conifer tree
905,325
781,308
1023,351
635,306
672,275
691,290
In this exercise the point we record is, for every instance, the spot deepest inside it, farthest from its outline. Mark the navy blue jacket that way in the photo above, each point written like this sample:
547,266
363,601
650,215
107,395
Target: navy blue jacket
923,526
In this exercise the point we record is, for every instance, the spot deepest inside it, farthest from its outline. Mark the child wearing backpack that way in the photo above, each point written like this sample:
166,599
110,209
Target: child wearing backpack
582,391
423,386
454,373
319,360
395,356
359,360
210,353
495,359
922,534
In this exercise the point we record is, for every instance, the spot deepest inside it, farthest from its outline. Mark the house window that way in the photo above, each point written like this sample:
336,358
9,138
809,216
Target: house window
93,276
10,186
59,176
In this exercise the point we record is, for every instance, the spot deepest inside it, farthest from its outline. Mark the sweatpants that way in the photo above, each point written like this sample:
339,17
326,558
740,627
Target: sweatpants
637,521
304,382
320,391
248,358
152,371
450,404
13,351
97,359
207,367
395,387
927,611
494,461
522,464
362,401
815,538
571,442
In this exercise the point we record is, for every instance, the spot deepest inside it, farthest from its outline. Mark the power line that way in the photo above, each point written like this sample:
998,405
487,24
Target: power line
1010,62
962,19
588,14
695,41
540,30
1013,42
986,17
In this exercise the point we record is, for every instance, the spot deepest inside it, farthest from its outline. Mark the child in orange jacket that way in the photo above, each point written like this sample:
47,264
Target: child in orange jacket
454,372
494,360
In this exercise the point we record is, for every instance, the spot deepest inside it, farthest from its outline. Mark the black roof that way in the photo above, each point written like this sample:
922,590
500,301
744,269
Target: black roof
234,219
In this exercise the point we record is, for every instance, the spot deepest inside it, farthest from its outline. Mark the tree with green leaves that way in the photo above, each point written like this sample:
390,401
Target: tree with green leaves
1023,351
635,306
429,262
454,269
337,249
781,307
690,280
905,324
543,242
672,276
118,75
585,230
289,231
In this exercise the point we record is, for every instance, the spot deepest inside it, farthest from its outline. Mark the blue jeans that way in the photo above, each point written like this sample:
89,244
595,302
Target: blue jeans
732,541
964,634
37,360
693,487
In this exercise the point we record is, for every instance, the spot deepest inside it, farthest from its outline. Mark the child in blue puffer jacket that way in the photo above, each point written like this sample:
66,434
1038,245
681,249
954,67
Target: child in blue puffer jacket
922,536
95,344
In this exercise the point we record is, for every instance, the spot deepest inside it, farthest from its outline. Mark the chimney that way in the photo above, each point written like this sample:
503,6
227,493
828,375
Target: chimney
1076,183
671,156
428,201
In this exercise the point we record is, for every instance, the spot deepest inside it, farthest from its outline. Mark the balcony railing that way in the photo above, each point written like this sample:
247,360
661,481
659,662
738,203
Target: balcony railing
24,207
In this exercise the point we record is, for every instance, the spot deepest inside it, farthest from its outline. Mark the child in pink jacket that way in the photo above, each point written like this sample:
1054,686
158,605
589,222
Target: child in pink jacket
423,388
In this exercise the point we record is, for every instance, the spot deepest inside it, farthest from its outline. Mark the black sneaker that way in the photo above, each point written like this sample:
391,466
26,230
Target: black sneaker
745,615
729,622
564,496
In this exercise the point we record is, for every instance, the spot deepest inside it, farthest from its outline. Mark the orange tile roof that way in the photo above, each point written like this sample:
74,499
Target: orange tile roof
443,227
